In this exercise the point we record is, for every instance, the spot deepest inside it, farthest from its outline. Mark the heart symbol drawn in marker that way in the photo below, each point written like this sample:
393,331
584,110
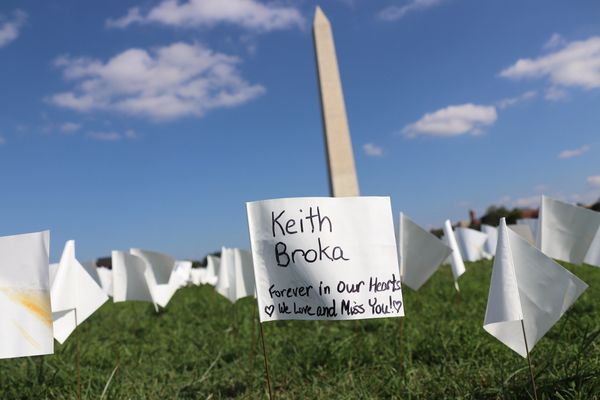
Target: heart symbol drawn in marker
397,305
269,310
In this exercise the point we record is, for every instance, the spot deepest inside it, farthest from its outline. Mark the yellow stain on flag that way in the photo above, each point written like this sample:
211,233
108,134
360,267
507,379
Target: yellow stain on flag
37,301
26,335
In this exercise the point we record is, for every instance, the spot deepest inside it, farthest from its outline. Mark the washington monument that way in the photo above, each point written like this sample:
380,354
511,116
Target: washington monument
342,172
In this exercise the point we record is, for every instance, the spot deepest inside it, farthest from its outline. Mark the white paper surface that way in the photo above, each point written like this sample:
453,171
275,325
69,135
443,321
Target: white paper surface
532,223
545,291
92,270
456,261
129,278
197,276
106,280
471,244
325,258
492,239
592,257
244,274
159,275
213,265
566,231
420,253
26,317
53,267
75,295
183,272
226,279
162,265
524,231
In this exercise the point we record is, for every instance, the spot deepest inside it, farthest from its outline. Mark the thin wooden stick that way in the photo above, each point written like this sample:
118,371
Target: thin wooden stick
262,338
77,360
401,343
529,361
41,370
457,294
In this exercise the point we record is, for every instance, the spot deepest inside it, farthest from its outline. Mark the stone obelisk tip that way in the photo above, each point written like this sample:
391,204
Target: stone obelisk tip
320,17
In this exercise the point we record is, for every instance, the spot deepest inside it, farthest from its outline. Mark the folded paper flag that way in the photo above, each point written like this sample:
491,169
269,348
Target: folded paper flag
527,286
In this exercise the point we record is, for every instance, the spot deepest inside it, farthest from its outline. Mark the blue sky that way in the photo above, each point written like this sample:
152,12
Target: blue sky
151,123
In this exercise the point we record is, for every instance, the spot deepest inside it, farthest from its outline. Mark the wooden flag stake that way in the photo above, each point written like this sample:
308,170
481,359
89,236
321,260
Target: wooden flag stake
77,360
401,343
529,361
262,338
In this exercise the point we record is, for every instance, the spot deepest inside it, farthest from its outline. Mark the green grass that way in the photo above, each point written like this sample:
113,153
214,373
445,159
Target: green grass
203,347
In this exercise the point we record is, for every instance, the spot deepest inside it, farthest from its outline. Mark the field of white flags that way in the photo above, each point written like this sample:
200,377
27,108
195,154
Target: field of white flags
333,300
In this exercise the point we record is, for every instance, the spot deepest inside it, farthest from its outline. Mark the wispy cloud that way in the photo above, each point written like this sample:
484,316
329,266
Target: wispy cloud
2,140
554,93
372,150
573,153
594,181
394,13
112,136
248,14
527,202
512,101
577,64
555,41
167,83
69,127
11,27
453,121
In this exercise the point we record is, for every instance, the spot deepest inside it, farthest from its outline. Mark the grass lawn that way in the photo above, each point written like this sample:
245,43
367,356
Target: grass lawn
203,347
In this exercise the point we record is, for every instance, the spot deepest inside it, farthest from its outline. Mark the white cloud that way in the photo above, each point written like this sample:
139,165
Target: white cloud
394,13
169,82
573,153
10,28
372,150
511,101
555,94
555,41
70,127
594,181
575,65
130,134
2,141
112,136
528,202
453,121
249,14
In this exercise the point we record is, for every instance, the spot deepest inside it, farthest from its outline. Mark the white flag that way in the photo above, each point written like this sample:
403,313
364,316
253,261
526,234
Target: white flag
244,274
130,278
53,267
197,276
592,256
566,231
526,286
420,253
158,265
492,239
25,312
182,273
213,265
75,294
225,282
524,231
456,261
532,223
323,258
471,244
162,265
106,280
92,270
